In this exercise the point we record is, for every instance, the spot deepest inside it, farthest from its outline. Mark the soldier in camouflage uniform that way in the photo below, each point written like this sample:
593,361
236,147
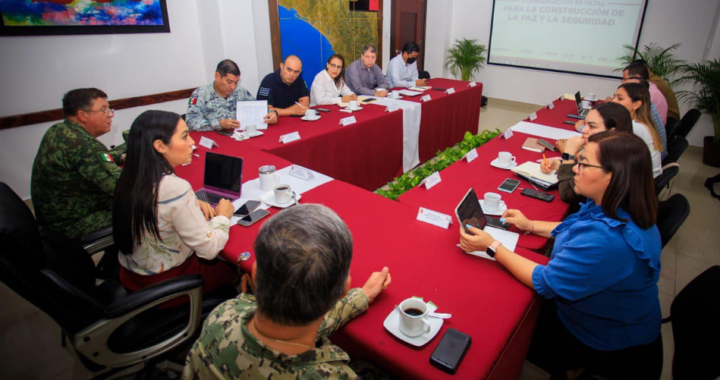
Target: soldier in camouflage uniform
213,107
74,174
302,271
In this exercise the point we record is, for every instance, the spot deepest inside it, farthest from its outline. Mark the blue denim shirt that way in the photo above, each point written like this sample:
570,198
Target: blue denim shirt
603,274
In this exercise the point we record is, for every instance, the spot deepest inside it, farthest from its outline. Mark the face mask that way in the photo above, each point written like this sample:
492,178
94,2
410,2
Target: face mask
410,61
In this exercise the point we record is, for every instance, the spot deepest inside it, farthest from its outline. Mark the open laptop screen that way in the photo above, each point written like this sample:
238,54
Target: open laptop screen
223,172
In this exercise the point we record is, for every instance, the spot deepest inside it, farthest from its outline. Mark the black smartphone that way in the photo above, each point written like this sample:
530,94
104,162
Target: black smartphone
256,215
247,208
509,185
323,109
495,222
225,132
439,89
450,351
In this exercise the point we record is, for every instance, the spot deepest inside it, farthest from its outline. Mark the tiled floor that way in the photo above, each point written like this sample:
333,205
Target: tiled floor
30,340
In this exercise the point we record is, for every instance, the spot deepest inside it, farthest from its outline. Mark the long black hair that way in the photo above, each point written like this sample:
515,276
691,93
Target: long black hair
135,201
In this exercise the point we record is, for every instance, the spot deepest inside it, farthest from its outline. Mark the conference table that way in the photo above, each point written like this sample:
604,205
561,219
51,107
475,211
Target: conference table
485,300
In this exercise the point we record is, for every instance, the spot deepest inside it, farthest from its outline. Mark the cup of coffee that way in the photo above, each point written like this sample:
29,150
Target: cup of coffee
268,177
491,203
591,97
354,105
394,94
505,159
283,194
251,129
413,313
586,104
310,114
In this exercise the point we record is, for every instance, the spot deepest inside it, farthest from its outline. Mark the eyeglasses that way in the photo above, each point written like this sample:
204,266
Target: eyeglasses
332,66
106,111
582,165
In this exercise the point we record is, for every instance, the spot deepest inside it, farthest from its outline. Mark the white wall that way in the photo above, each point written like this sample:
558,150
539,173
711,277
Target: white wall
438,35
666,22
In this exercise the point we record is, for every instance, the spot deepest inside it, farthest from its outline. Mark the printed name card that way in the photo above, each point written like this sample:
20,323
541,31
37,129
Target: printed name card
551,105
432,180
290,137
508,134
533,116
434,218
347,121
471,155
208,143
392,108
472,84
302,173
425,98
450,91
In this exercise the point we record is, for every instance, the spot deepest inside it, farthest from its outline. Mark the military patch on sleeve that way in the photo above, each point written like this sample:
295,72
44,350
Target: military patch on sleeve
264,91
193,100
106,157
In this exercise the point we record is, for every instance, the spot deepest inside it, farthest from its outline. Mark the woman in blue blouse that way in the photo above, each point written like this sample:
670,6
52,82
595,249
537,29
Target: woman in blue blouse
603,312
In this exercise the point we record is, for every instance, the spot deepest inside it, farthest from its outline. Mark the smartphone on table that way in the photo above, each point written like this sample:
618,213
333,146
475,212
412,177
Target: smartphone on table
509,185
450,351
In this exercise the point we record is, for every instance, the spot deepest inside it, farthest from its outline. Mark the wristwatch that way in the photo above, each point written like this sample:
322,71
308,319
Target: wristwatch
493,248
276,113
567,157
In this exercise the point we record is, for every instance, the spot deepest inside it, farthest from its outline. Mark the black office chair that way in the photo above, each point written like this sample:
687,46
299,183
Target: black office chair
676,148
688,122
671,215
111,331
694,314
663,180
671,128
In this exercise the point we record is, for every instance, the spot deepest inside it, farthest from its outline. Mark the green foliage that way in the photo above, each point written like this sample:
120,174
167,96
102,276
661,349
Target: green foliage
465,59
660,60
705,77
444,159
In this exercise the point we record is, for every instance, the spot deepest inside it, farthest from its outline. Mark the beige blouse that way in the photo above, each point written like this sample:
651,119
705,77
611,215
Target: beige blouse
183,230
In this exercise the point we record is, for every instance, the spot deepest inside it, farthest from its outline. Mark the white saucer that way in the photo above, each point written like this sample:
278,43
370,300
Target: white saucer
269,198
317,117
498,212
391,98
392,324
495,164
353,110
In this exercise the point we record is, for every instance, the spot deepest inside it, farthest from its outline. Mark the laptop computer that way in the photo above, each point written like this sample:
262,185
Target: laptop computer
578,101
469,211
222,180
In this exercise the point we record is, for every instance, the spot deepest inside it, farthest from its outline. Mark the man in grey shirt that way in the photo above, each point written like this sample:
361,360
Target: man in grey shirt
363,75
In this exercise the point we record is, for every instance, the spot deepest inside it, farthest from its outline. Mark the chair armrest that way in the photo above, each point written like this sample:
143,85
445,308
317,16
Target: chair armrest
98,240
153,293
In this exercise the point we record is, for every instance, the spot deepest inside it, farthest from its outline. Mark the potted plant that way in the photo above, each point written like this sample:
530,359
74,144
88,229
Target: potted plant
661,60
465,59
706,79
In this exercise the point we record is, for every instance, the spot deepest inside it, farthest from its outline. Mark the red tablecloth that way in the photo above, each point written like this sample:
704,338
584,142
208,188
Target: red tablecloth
446,118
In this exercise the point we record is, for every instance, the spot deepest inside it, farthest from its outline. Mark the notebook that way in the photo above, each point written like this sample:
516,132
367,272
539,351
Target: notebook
222,179
532,145
531,171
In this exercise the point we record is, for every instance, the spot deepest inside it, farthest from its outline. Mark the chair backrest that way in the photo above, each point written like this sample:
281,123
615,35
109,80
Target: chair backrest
676,147
671,215
663,179
46,268
688,122
671,128
695,312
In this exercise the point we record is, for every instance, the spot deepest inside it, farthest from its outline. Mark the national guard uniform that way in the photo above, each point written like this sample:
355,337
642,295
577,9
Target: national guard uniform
73,180
227,350
206,108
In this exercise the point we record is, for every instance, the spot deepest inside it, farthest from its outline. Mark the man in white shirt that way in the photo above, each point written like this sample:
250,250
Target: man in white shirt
402,70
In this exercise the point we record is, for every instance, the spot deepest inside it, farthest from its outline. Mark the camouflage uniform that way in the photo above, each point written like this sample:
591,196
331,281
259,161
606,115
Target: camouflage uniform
73,180
227,350
206,108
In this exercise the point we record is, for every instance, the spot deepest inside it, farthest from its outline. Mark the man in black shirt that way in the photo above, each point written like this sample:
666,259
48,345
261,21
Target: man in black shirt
285,88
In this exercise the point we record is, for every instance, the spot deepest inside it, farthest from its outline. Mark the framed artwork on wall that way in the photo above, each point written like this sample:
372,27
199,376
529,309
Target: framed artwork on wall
68,17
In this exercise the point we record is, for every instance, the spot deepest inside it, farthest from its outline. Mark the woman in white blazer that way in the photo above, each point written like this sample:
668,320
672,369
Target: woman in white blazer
329,85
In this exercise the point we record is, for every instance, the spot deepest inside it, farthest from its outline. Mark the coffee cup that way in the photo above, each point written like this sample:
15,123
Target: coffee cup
590,97
251,129
586,104
413,313
268,177
505,159
283,194
491,203
310,114
394,94
354,105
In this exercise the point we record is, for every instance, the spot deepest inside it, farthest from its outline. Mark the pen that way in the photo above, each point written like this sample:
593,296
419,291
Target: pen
545,162
300,105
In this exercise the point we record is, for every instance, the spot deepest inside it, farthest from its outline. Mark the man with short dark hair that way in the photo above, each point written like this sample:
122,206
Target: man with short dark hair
285,89
364,77
74,174
302,277
214,107
402,70
638,70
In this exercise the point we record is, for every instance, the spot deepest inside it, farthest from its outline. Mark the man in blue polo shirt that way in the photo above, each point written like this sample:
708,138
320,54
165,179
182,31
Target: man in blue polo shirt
285,89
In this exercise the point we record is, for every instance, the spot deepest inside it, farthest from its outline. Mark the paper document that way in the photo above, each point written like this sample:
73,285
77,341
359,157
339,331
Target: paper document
532,169
544,131
409,93
420,88
251,112
506,238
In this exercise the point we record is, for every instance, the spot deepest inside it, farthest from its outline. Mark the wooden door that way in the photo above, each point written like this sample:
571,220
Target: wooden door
408,24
